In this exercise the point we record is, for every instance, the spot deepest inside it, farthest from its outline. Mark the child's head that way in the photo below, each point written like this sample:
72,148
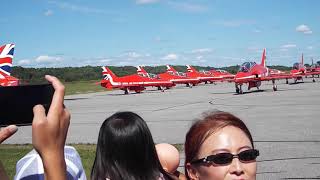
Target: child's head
168,156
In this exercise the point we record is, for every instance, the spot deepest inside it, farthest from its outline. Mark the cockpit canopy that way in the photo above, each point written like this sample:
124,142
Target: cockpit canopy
296,66
245,67
149,75
221,71
177,73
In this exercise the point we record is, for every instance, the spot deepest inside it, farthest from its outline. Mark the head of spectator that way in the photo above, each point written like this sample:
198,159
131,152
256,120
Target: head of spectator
220,146
169,157
126,150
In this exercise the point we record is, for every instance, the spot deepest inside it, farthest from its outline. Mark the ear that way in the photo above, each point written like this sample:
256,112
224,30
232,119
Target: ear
192,172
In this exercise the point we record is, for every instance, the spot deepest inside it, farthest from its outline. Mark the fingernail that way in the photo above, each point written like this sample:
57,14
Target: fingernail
12,128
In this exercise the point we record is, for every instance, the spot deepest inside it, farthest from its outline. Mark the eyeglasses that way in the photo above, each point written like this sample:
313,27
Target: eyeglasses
226,158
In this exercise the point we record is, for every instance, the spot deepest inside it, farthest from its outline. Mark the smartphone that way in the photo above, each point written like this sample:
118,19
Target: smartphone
17,102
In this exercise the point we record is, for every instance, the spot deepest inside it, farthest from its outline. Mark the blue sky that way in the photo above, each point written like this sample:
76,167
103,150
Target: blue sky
55,33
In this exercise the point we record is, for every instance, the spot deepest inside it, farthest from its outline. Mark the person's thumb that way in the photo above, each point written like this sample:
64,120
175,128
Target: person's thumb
7,132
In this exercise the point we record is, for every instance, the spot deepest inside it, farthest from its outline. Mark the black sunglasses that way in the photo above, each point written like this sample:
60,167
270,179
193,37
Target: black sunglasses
226,158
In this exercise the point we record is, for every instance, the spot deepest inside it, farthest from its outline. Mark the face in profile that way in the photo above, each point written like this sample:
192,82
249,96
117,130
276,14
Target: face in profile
224,166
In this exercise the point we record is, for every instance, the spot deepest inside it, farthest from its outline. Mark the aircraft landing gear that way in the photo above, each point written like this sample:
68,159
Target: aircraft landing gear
239,89
126,91
275,88
313,80
287,81
189,85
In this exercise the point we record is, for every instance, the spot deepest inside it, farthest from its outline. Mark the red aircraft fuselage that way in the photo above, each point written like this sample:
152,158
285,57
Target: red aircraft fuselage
133,82
201,76
253,74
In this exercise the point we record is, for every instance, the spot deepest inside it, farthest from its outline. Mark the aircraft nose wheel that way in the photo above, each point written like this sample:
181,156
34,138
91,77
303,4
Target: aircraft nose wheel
275,88
239,89
126,91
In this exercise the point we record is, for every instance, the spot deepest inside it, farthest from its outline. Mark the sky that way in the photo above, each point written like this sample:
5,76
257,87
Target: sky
218,33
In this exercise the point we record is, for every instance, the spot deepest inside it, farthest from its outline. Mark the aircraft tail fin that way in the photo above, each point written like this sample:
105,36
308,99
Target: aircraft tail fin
191,69
6,55
263,58
170,69
107,73
140,70
108,77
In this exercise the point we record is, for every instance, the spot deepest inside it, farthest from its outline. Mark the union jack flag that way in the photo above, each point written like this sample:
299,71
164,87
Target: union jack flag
6,55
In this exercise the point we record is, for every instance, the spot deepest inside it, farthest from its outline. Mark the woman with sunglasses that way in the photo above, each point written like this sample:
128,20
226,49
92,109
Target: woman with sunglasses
220,146
125,150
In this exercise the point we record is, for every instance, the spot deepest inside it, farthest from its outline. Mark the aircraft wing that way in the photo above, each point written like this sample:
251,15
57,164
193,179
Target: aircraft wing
276,77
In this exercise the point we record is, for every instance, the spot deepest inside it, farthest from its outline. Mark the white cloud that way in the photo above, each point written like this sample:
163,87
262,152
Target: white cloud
235,23
304,29
158,39
131,55
257,30
48,13
24,62
77,8
170,57
48,59
289,46
203,50
309,47
146,1
105,60
199,57
188,7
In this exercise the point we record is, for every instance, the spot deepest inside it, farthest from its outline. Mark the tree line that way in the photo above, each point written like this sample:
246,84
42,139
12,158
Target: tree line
71,74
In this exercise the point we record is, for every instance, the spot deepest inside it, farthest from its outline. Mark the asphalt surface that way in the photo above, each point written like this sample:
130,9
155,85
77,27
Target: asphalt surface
285,124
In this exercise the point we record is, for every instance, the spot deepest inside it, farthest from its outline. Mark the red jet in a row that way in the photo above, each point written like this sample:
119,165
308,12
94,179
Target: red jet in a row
253,74
201,76
299,70
133,82
170,75
225,75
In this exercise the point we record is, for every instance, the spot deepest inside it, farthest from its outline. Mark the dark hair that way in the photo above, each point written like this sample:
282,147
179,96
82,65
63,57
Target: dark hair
203,128
125,150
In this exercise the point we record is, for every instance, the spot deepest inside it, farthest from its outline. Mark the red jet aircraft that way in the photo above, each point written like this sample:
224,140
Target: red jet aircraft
201,76
6,55
253,73
170,75
133,82
225,75
314,68
299,70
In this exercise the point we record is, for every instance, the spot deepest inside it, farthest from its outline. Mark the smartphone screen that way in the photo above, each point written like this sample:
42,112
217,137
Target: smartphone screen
17,102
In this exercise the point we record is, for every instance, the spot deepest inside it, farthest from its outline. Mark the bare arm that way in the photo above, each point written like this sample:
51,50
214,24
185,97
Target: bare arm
49,133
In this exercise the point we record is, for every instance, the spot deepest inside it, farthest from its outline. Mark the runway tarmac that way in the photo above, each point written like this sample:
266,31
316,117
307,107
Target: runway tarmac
285,124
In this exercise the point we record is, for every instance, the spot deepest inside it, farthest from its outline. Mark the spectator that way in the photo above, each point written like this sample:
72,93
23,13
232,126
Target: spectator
125,150
220,146
170,159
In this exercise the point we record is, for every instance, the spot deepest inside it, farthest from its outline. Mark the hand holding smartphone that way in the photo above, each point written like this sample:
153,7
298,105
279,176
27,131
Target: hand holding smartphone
17,102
